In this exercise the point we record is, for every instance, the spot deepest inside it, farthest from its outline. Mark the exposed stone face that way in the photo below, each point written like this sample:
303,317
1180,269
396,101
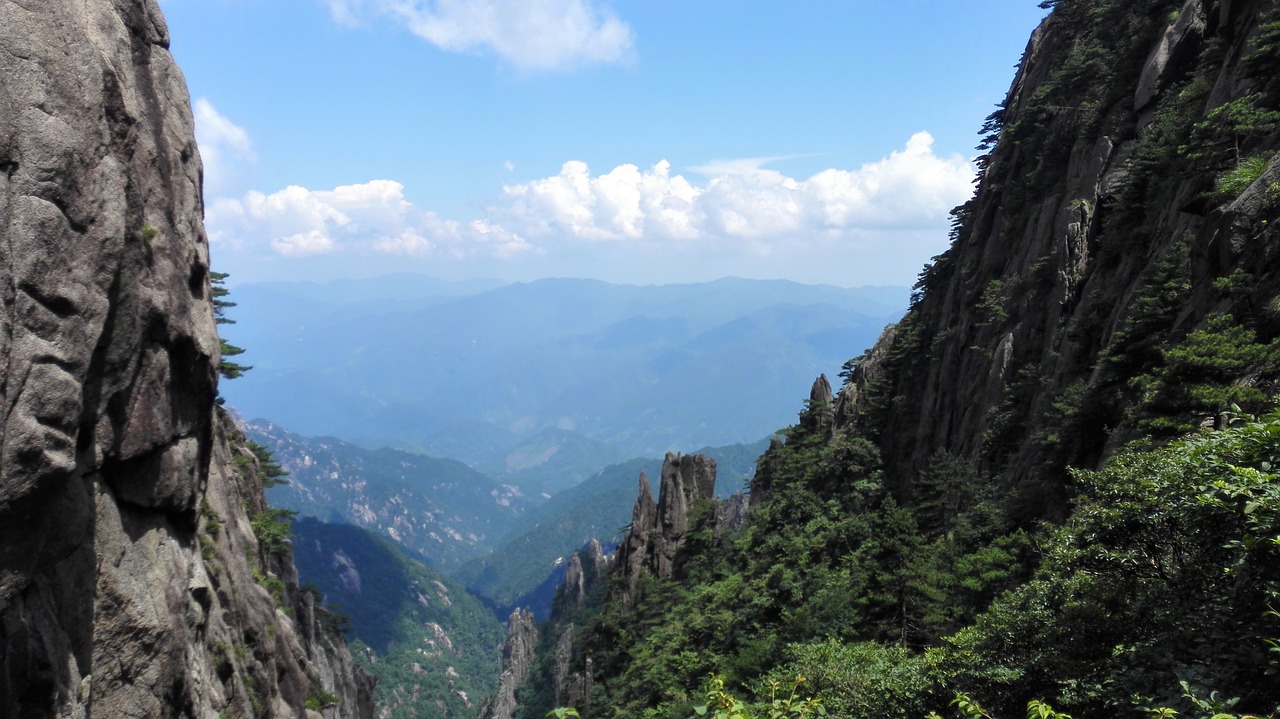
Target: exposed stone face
686,480
575,580
1047,260
596,556
581,572
572,689
819,414
657,530
517,662
868,370
1176,48
112,465
632,552
731,513
108,337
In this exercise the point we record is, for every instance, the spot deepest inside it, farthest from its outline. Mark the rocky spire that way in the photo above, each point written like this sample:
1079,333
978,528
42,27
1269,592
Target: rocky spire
657,530
572,689
575,580
686,480
517,662
632,551
731,513
819,416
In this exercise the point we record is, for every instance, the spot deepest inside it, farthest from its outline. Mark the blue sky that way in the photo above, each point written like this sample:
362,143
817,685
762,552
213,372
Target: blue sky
641,141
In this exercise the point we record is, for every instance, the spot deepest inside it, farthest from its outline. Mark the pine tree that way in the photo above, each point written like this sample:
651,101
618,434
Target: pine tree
229,370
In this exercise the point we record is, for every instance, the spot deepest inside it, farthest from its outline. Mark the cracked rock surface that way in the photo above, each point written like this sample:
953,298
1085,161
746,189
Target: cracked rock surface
108,373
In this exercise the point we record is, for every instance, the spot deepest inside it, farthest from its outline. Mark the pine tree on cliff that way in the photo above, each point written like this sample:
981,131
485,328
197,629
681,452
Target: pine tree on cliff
229,370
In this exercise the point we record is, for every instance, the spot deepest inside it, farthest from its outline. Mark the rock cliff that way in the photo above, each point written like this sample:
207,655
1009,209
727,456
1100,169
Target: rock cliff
517,663
131,581
658,529
1131,196
580,574
571,671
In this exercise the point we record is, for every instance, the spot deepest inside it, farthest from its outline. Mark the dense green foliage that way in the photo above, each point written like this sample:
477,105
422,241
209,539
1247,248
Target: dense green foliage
828,565
423,636
1167,571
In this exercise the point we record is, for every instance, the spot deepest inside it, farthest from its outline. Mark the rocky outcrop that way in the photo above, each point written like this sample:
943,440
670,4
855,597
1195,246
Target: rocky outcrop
633,551
658,530
125,546
1017,354
575,580
572,672
687,481
731,513
818,416
517,663
869,369
581,572
274,650
572,688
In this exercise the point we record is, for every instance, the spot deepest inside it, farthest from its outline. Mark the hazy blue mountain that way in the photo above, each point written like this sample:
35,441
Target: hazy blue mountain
440,509
554,460
473,372
435,649
523,570
354,292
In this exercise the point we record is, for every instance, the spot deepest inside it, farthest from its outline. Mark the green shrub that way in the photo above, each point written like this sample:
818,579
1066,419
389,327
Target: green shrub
1232,183
321,700
272,528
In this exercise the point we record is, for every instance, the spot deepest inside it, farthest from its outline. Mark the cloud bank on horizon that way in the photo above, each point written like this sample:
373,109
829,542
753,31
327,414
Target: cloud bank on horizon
737,207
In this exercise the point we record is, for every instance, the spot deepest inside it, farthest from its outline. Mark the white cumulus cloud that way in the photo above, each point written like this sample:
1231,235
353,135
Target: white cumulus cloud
625,203
224,148
530,34
736,214
373,216
740,200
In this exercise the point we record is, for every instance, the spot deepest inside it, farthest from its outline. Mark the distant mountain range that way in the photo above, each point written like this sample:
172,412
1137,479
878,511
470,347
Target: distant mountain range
548,399
476,371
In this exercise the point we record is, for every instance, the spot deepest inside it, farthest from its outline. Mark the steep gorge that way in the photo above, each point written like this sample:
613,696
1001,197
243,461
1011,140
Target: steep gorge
132,582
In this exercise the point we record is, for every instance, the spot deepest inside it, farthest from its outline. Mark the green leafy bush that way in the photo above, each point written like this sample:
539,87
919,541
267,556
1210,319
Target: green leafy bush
272,528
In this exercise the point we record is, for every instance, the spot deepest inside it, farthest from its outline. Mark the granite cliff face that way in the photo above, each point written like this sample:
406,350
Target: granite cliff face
658,529
517,663
1101,234
130,577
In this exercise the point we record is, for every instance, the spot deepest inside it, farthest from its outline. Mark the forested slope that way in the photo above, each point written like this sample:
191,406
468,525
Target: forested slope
1044,482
